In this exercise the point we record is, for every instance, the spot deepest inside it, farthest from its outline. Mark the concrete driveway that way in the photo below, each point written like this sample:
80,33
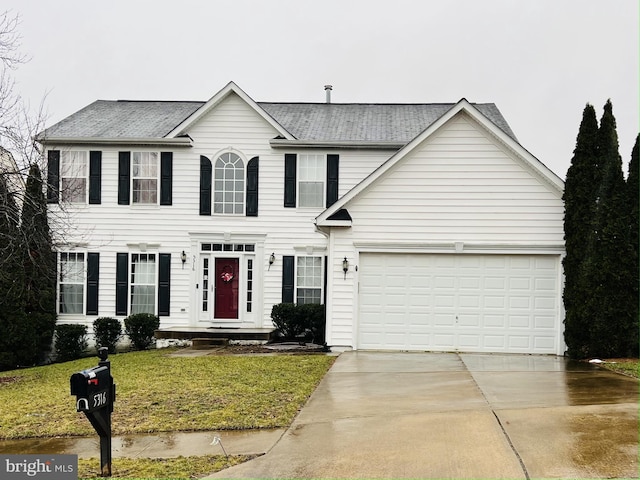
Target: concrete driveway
444,415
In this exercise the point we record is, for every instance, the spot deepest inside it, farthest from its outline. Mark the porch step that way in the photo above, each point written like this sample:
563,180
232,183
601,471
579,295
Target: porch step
205,343
190,333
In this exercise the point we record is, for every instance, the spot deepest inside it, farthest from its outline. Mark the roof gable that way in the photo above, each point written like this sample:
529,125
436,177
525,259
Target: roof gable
230,88
550,179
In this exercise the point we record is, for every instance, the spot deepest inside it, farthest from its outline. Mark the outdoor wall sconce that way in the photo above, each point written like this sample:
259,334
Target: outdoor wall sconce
345,267
183,257
272,258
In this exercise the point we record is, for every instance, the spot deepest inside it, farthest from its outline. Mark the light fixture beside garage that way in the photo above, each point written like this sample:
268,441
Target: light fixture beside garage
345,267
183,257
272,258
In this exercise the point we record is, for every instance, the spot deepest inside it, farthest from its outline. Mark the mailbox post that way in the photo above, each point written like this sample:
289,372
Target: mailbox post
95,393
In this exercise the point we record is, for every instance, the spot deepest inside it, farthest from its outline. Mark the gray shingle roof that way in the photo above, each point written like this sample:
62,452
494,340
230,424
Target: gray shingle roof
366,122
332,122
123,119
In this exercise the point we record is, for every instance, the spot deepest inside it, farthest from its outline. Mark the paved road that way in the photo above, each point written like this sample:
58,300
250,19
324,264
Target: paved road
432,415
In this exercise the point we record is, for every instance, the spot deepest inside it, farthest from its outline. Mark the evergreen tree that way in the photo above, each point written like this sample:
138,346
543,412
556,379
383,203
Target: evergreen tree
607,273
633,205
39,263
13,328
580,201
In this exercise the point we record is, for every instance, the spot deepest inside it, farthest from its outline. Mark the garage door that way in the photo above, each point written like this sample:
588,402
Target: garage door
470,303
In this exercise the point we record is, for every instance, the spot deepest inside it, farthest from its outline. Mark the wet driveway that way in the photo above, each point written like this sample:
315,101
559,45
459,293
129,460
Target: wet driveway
432,415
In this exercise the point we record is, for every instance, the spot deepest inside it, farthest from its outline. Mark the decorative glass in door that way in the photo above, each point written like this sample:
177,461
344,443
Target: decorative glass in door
205,284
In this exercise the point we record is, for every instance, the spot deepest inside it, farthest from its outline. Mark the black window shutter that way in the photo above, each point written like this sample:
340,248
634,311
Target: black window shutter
252,187
93,277
53,176
122,274
326,276
288,278
95,177
164,284
333,167
124,171
290,160
205,185
166,178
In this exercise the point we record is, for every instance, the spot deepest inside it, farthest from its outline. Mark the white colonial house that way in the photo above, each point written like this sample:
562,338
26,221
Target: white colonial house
420,226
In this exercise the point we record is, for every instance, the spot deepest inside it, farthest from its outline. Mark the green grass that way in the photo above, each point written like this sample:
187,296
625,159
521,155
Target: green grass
156,392
625,366
166,468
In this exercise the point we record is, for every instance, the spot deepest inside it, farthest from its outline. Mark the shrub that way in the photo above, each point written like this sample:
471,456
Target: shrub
108,331
313,318
286,320
294,321
71,341
140,328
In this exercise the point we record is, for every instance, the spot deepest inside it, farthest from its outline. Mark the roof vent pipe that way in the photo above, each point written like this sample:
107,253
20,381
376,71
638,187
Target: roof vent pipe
327,89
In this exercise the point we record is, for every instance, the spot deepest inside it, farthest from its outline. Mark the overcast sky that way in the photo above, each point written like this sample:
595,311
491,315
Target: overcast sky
539,61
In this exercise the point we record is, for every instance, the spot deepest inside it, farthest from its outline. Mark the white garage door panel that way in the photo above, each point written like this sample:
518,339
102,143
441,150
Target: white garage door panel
475,303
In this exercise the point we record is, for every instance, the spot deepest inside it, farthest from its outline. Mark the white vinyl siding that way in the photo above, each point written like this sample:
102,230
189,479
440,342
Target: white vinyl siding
460,186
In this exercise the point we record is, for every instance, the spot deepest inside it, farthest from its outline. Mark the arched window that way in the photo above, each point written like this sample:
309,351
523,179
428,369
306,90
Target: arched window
229,184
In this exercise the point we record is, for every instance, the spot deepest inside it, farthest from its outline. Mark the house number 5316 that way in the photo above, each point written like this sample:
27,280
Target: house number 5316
99,399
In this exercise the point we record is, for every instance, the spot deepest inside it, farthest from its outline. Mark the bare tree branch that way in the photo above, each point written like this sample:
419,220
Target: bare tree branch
10,40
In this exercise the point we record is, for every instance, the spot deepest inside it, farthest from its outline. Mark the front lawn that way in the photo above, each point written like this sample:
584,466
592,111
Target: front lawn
626,366
157,392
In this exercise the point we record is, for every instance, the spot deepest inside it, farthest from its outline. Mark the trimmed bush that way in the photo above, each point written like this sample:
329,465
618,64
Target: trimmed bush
296,322
108,331
286,320
313,318
70,341
140,328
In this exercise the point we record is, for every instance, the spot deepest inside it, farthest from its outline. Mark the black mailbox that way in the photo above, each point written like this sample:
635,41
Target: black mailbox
95,393
93,389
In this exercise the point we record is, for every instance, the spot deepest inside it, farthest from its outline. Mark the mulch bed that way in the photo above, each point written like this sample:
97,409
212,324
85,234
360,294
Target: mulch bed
289,348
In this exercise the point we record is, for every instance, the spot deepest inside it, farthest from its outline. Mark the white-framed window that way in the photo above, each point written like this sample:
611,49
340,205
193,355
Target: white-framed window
73,176
229,184
144,177
143,283
308,279
312,173
71,282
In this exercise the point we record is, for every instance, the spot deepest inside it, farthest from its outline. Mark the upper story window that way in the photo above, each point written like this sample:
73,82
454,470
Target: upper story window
144,177
311,180
229,191
73,176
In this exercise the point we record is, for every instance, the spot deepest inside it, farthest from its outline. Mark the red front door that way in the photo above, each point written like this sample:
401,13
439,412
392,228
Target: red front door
226,283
